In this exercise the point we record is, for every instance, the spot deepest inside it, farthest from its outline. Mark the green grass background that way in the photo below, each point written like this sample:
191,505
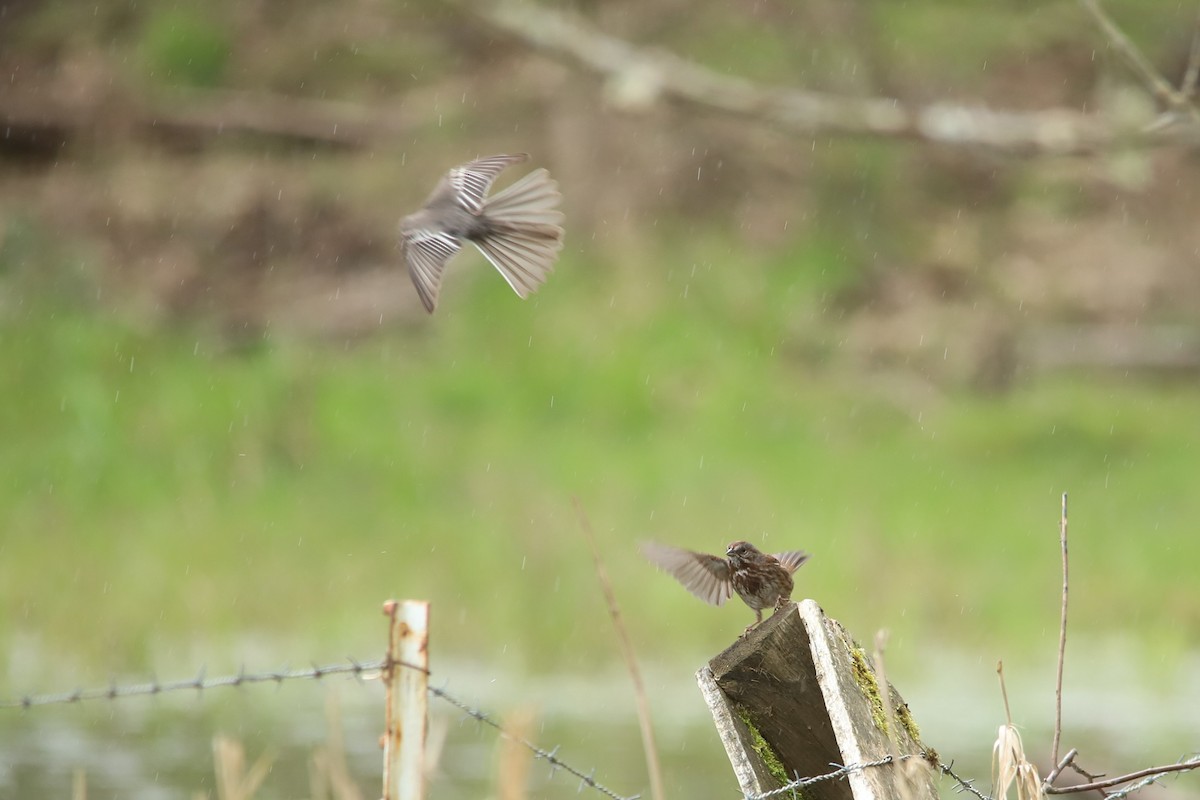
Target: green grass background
165,500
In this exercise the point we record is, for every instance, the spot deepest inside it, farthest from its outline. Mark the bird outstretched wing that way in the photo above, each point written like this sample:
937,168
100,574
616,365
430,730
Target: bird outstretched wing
791,559
703,575
472,180
426,251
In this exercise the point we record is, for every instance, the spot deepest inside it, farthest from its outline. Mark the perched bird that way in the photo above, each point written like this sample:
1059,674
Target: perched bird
761,580
518,230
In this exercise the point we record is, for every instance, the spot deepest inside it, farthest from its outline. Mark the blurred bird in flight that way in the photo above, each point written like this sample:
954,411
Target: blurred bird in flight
518,229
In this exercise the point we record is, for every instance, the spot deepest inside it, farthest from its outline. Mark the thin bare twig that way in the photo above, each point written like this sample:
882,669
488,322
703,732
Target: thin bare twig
1066,760
1094,781
1004,692
635,674
1125,791
1159,86
1181,766
1089,775
1062,634
1191,74
1134,57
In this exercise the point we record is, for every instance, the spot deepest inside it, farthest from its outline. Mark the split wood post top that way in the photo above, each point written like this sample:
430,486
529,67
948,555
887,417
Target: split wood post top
797,695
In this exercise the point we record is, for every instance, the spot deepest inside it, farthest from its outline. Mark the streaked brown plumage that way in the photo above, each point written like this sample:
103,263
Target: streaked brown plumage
518,229
760,579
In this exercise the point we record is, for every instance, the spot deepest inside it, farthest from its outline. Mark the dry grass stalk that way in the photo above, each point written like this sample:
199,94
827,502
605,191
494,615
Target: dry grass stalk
79,784
1009,764
635,674
515,761
328,772
234,781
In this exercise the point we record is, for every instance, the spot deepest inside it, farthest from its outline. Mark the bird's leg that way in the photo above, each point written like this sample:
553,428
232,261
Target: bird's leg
755,624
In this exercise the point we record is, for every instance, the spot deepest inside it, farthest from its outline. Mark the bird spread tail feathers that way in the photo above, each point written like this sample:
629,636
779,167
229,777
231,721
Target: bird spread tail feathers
526,234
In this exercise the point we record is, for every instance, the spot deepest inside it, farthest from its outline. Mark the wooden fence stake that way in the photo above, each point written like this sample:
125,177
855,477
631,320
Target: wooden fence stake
798,695
406,679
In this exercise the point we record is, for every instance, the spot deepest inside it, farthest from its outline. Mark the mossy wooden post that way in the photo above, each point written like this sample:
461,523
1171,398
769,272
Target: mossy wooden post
798,695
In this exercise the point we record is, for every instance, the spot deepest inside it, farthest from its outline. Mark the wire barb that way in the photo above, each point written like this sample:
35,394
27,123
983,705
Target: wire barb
842,771
357,669
199,683
964,785
551,756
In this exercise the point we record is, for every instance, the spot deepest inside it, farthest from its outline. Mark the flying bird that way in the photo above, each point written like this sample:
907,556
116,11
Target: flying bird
760,579
518,229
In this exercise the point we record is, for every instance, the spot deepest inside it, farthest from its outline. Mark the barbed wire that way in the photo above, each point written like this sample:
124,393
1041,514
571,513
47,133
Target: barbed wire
1187,762
1146,776
964,784
362,670
837,774
549,756
199,683
371,670
843,771
1134,787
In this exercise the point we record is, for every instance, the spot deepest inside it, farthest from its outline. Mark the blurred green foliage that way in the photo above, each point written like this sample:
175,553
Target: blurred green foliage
184,46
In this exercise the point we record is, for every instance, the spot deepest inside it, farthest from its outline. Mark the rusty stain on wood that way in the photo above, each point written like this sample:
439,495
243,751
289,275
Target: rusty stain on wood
406,682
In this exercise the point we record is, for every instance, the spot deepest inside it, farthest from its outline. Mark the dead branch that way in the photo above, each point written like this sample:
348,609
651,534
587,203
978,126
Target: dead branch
1159,86
1061,765
43,117
1191,73
326,122
653,766
1181,766
1062,634
638,77
1095,782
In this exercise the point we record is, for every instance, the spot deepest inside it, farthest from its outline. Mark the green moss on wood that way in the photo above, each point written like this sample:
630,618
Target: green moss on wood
763,749
864,676
905,718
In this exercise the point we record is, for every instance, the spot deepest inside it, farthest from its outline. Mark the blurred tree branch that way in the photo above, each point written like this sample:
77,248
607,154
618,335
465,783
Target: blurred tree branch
1159,86
47,120
639,77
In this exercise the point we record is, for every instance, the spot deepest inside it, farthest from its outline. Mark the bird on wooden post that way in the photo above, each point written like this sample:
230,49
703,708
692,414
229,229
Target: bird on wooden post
762,580
518,229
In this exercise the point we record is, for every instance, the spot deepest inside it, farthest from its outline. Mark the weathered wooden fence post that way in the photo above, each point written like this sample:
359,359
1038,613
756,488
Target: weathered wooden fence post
406,680
798,695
